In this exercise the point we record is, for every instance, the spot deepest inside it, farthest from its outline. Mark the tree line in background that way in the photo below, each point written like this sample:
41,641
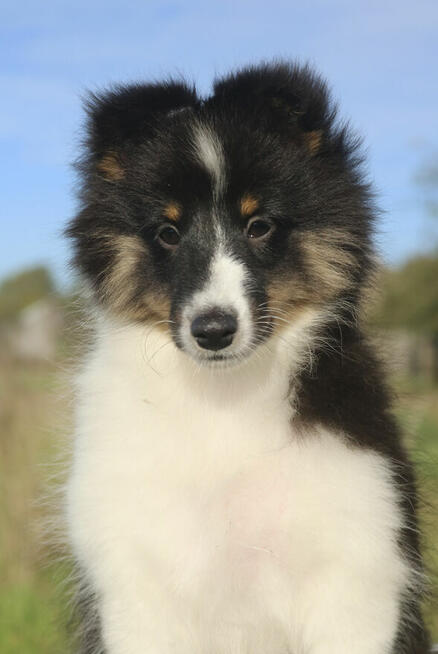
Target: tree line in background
409,297
23,289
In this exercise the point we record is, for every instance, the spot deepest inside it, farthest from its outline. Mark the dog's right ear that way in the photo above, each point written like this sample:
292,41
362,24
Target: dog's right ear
288,98
124,115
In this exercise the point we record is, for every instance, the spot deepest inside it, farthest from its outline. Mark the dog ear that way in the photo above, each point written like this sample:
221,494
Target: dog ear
123,115
287,98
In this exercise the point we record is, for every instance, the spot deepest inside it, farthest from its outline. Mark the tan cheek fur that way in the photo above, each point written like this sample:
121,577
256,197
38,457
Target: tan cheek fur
329,266
287,299
120,285
329,259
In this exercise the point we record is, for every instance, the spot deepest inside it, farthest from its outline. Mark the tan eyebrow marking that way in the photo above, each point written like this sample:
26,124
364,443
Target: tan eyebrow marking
172,211
110,167
248,205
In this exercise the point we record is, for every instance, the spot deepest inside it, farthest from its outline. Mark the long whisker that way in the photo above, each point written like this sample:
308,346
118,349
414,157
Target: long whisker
147,358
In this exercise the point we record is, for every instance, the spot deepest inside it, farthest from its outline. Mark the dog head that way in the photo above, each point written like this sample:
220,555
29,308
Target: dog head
224,219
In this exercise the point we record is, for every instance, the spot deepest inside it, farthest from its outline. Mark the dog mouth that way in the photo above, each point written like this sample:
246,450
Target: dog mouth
222,360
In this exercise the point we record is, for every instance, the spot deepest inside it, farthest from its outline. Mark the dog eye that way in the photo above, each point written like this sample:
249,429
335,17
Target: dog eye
168,236
258,228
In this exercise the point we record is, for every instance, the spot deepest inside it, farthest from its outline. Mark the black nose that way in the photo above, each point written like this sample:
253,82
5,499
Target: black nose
214,330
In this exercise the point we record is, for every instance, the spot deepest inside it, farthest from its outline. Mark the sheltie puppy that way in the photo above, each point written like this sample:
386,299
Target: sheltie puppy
238,484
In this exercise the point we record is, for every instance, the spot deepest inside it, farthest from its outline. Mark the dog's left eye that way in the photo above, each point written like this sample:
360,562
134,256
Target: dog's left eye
168,236
258,228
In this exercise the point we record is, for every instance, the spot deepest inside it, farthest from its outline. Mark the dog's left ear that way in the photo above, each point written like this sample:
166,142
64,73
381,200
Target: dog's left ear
124,116
288,98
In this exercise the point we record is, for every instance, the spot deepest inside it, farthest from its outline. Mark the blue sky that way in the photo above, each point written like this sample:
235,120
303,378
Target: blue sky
381,59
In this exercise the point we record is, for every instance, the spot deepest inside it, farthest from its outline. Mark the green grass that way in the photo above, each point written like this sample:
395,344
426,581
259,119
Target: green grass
33,608
418,414
33,618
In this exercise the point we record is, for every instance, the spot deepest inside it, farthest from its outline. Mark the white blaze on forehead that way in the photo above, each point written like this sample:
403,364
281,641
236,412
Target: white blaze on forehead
209,151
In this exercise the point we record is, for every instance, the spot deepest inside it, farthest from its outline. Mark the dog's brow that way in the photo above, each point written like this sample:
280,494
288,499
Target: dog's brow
248,205
172,211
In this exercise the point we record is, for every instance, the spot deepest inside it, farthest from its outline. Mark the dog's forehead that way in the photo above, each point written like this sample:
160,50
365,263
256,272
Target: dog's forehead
201,167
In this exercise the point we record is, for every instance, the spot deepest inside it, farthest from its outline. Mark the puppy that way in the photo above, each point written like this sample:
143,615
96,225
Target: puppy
238,484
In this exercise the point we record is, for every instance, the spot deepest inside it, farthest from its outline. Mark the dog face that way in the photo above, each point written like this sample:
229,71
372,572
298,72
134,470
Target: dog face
222,220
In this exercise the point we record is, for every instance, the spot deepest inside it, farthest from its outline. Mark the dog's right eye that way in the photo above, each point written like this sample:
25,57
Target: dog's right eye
258,228
168,236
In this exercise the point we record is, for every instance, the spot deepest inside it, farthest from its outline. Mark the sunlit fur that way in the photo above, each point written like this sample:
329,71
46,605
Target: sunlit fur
253,498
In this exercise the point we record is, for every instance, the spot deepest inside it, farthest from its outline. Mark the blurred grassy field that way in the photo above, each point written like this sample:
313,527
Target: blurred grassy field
33,610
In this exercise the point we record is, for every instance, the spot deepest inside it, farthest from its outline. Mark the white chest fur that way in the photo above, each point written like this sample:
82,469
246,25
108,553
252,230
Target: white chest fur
205,524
